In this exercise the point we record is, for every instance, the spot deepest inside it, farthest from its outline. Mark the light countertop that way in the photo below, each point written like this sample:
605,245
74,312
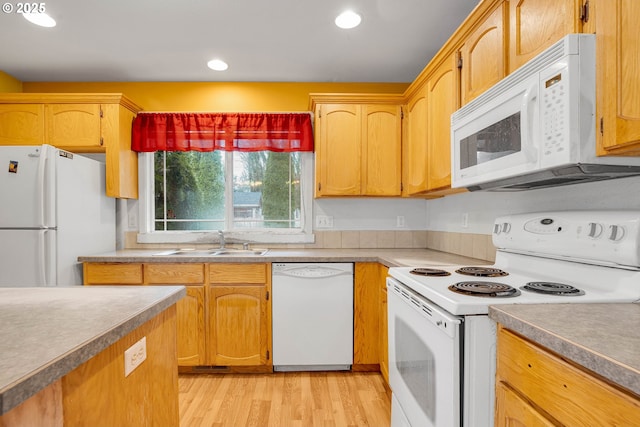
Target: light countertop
48,332
604,338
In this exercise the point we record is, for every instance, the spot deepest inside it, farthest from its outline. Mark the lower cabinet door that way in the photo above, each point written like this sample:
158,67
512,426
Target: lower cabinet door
239,326
191,327
513,411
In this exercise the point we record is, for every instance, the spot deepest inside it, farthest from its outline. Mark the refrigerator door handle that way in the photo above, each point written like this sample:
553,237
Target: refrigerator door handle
45,187
45,261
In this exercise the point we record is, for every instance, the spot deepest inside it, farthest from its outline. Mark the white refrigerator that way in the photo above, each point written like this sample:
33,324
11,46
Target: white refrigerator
53,208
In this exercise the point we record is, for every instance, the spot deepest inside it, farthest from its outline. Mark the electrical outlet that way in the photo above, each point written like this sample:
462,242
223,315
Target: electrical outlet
134,356
400,221
324,221
465,220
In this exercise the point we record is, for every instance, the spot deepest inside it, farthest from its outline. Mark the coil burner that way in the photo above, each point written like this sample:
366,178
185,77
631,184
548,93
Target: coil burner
484,289
551,288
482,271
431,272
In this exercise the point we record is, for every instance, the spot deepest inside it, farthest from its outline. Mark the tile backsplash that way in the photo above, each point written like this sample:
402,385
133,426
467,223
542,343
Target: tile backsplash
466,244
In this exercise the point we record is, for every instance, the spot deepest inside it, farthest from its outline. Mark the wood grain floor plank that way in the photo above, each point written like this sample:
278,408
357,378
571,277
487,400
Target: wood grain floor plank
289,399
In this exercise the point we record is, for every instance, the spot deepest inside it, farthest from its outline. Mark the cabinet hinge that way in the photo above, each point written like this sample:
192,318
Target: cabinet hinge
101,113
319,111
267,296
401,187
319,186
101,141
401,113
584,12
459,60
268,355
601,125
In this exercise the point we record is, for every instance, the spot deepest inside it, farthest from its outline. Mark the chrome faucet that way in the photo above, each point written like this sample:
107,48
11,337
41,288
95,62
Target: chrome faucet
221,238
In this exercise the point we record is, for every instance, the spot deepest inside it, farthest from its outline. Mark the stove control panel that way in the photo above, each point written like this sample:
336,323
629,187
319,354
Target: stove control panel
606,237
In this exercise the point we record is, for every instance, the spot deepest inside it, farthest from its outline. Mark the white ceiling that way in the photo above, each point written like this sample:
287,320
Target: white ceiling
262,40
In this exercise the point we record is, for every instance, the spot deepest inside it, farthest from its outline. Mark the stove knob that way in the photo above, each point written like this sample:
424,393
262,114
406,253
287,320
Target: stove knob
595,229
616,233
506,227
496,228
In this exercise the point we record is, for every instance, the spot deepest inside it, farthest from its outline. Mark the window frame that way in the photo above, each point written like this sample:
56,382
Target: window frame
146,210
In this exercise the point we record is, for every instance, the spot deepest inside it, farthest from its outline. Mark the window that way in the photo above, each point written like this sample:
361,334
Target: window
190,190
258,196
249,174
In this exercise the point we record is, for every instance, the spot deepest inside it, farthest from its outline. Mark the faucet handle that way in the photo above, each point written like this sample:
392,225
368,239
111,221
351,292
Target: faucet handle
245,246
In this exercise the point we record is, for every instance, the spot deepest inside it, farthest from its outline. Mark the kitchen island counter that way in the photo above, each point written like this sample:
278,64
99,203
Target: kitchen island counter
603,338
48,332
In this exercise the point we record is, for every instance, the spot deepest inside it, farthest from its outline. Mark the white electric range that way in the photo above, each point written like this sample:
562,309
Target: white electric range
441,341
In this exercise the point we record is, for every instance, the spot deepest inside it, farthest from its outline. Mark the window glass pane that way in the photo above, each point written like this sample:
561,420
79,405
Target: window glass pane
266,190
189,190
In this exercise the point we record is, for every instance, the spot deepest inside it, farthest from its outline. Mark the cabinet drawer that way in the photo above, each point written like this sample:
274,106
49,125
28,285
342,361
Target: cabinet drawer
112,274
174,273
569,394
238,273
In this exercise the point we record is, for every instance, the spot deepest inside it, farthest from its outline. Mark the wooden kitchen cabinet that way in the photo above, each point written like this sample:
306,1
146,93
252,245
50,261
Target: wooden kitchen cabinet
80,123
482,57
535,25
21,124
617,83
358,144
383,323
442,96
191,310
366,297
240,315
112,273
535,387
414,143
74,126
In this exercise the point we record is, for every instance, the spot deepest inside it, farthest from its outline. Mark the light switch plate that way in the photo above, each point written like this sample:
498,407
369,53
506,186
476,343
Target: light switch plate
134,356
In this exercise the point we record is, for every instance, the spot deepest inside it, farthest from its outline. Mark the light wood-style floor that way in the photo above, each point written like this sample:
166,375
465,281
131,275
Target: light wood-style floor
291,399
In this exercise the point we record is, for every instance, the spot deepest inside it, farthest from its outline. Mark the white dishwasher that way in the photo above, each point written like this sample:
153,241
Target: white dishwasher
312,313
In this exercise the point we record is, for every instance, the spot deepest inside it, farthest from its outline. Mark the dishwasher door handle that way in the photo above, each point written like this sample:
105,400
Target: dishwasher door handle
310,272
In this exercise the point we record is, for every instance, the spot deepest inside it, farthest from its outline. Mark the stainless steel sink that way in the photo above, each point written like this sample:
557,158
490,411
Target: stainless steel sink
240,252
212,252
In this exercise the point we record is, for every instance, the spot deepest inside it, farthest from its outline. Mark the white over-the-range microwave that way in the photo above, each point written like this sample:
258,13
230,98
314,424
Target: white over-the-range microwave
536,127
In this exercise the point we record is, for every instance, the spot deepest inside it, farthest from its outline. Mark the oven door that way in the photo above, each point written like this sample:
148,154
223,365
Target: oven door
424,360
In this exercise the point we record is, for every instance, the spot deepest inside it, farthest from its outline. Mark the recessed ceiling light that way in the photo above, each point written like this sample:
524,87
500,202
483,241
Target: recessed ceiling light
217,65
41,19
348,19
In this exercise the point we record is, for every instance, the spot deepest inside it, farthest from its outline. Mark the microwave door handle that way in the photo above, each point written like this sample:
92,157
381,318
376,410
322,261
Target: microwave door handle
529,100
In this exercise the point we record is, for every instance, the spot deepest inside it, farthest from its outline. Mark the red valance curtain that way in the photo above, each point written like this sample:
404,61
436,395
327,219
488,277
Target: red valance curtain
222,131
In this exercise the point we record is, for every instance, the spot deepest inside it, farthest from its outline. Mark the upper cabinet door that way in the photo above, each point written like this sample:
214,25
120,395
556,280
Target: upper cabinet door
537,24
381,162
442,102
21,124
414,143
338,160
73,125
617,82
483,55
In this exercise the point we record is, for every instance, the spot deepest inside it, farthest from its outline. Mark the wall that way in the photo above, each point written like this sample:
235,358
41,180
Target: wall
9,84
446,214
217,96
